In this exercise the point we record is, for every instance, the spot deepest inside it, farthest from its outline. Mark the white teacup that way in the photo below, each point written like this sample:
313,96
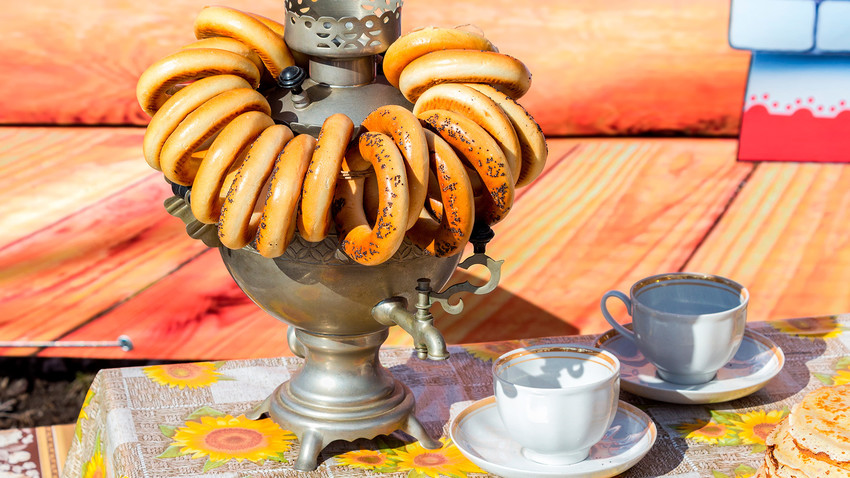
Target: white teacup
557,401
688,325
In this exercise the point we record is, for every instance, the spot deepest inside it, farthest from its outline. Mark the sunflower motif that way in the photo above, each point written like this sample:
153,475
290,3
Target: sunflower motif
182,375
745,471
233,438
86,402
754,426
446,460
702,431
742,471
363,459
841,377
810,327
78,428
95,467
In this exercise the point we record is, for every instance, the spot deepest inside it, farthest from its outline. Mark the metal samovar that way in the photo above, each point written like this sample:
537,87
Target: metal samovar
338,311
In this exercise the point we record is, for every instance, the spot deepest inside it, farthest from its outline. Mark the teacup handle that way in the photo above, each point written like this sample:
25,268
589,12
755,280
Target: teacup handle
619,328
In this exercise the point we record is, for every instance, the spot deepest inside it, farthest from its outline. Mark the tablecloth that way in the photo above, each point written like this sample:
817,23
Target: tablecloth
34,452
186,420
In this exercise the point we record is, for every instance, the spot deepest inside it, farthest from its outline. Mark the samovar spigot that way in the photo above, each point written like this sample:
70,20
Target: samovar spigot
427,339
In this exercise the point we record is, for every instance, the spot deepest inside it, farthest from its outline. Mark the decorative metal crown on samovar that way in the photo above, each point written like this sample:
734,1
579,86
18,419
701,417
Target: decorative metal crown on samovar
341,41
339,298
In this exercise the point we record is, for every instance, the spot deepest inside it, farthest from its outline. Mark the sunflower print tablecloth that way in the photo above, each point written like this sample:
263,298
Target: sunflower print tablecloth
187,420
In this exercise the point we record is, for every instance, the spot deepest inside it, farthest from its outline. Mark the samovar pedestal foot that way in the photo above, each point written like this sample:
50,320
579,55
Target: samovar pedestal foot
341,393
416,430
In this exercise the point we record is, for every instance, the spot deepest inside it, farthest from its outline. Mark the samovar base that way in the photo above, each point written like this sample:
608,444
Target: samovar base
341,393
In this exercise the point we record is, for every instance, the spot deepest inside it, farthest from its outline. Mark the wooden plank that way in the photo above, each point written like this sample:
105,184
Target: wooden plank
66,274
47,174
197,312
610,213
618,67
785,237
624,209
560,150
614,67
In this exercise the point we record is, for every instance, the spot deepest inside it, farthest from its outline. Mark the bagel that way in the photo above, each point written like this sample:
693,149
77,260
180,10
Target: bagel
426,40
200,125
277,224
456,207
479,108
320,181
216,21
504,72
154,85
407,133
175,110
224,155
531,139
237,224
482,153
373,245
228,44
273,25
301,59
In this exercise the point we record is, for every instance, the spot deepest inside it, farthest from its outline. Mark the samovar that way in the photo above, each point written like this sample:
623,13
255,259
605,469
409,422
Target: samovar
338,311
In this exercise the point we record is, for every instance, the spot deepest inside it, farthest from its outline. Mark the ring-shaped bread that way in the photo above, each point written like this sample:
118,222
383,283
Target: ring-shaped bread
361,242
239,221
178,107
228,44
301,59
179,164
478,107
320,182
503,72
222,157
408,135
156,83
425,40
531,139
277,224
449,235
214,21
483,154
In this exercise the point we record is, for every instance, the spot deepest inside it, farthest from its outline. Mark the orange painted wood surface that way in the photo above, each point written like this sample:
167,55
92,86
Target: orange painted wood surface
196,312
108,260
600,68
77,268
46,174
787,238
605,215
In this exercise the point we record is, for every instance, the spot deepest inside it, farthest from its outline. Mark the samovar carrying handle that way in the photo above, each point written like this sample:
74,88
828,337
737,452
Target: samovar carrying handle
481,235
427,339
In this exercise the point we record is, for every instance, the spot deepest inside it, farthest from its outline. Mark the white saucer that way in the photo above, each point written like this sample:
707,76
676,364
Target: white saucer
757,361
479,434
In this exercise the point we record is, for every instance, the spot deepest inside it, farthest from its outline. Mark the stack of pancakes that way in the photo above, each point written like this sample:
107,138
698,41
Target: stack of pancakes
813,440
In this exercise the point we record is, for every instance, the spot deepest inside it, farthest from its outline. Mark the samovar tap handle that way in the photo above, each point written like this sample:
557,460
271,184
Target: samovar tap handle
481,235
179,207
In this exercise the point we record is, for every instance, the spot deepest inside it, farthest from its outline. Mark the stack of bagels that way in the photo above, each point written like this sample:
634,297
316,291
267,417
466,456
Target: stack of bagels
426,175
813,441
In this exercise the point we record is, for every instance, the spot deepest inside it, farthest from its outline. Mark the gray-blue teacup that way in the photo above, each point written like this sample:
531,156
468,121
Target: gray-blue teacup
689,325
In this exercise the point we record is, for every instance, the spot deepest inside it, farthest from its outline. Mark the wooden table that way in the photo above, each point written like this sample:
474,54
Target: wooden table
88,253
135,420
102,258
